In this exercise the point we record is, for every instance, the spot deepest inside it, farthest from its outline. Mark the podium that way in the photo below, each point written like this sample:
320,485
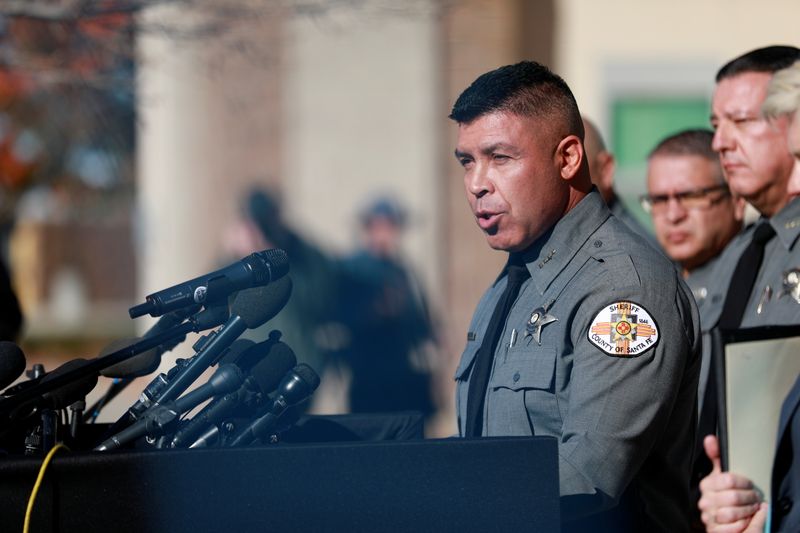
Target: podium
489,484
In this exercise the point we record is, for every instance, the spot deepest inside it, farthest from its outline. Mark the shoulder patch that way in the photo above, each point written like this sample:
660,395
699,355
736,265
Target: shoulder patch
623,329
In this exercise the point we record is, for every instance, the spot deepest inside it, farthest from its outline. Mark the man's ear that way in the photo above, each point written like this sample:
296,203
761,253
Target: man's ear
570,156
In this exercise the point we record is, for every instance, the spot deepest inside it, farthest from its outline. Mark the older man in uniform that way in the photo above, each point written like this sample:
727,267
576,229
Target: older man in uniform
588,335
729,501
757,166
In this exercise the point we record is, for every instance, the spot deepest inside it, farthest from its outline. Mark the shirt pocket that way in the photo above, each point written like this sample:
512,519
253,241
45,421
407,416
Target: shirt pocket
522,394
524,368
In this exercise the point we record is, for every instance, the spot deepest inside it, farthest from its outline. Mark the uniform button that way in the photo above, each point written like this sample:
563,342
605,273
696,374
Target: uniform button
516,377
598,244
785,505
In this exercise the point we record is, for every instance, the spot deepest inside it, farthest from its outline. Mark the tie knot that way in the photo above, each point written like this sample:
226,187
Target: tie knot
763,233
517,273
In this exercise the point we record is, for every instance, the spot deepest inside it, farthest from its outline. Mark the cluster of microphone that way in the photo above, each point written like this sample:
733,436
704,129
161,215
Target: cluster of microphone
252,388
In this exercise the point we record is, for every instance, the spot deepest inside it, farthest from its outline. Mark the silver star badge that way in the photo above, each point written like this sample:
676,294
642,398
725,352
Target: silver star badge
791,284
539,319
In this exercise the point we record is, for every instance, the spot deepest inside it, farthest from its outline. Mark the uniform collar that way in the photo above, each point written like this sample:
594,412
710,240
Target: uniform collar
786,223
551,253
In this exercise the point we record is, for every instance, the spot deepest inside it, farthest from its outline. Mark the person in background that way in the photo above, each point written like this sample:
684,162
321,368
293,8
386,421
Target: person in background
601,168
729,501
694,215
364,312
11,317
391,334
746,288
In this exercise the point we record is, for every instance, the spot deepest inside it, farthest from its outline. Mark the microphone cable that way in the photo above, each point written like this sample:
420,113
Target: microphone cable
29,510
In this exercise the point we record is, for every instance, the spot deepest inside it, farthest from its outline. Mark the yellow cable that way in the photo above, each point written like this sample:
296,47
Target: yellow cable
39,478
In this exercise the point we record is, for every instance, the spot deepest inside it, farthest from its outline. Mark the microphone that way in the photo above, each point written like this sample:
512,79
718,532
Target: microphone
71,392
257,269
57,397
250,309
139,365
264,377
161,418
295,387
147,362
12,363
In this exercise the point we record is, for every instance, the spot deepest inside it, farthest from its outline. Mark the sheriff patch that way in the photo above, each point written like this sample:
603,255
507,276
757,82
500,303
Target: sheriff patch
623,329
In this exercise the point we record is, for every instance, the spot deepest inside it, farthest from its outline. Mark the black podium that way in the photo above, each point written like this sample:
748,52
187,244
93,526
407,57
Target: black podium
493,484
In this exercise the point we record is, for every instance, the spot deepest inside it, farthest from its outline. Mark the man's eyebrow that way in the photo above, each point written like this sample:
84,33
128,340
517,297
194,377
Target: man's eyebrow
487,150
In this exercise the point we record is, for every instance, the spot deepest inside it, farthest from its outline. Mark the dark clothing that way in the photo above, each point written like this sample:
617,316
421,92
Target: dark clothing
10,312
387,321
786,467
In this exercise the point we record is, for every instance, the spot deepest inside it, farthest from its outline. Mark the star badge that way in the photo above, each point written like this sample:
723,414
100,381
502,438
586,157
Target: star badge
539,319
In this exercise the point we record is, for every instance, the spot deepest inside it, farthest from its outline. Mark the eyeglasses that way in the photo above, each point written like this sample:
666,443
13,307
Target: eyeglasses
696,199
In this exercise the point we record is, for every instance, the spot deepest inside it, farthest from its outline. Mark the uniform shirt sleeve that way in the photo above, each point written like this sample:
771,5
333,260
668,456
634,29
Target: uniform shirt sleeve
619,406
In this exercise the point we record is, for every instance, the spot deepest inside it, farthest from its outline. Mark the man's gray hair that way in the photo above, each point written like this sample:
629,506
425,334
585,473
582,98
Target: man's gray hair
783,92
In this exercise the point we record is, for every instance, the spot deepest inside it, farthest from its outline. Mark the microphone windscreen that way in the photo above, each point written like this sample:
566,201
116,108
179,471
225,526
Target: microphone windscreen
12,363
308,375
139,365
268,372
259,304
235,351
71,392
278,261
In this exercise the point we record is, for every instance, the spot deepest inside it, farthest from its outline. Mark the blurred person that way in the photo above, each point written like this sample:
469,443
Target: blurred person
387,318
567,342
601,168
694,214
11,318
729,501
364,312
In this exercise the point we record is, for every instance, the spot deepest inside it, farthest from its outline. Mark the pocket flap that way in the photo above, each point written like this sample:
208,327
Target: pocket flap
526,369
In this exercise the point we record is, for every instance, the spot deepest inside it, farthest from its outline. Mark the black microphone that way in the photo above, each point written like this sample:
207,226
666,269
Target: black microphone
295,387
147,362
250,309
162,418
12,363
139,365
264,378
255,270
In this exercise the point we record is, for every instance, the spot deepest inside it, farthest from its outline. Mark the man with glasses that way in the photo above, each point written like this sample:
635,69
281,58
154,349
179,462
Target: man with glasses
694,214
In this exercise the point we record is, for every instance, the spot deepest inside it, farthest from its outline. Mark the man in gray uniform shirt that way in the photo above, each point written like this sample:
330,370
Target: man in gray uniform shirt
757,166
601,347
694,215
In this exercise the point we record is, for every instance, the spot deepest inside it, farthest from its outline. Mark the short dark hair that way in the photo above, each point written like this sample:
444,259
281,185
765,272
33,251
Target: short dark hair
687,142
768,59
526,88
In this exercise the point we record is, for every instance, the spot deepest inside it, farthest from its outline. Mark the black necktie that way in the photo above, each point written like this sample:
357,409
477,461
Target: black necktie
744,277
739,289
482,367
